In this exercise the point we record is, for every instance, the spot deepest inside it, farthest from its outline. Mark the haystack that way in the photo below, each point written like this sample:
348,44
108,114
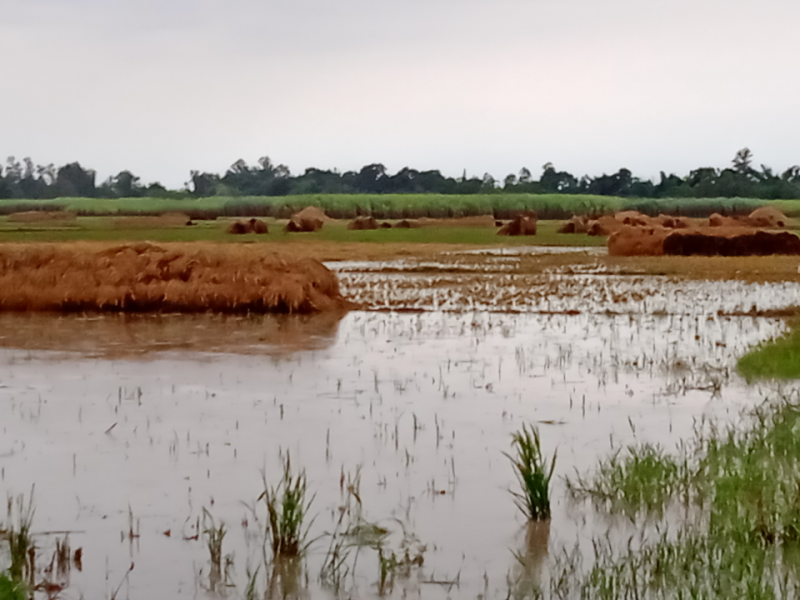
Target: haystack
523,224
362,223
258,226
732,243
239,228
307,220
38,216
637,241
717,220
577,224
144,277
597,228
767,217
386,225
633,217
407,224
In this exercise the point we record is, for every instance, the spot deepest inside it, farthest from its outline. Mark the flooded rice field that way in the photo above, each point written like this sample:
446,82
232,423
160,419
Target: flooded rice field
498,281
135,432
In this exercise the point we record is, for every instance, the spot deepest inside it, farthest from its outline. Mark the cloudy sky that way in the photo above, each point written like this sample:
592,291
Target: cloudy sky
164,86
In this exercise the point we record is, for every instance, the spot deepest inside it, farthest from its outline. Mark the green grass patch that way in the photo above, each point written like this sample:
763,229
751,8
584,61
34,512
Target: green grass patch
775,359
103,229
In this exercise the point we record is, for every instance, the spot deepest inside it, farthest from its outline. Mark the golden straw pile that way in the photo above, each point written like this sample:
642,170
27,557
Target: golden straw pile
143,277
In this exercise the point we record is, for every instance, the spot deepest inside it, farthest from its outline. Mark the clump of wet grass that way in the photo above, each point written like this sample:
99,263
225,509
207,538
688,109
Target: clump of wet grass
533,474
643,477
214,534
17,531
288,507
776,359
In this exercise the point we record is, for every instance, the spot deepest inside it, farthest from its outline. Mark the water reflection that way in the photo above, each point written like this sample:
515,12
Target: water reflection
531,558
129,336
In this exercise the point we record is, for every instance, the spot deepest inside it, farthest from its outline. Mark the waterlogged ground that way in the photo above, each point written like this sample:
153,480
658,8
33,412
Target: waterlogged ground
135,425
513,280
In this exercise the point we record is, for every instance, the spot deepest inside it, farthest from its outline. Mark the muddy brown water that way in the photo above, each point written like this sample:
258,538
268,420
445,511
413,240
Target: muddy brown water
159,417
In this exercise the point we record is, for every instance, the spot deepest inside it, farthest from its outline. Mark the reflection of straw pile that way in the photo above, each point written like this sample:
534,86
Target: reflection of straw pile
173,278
39,216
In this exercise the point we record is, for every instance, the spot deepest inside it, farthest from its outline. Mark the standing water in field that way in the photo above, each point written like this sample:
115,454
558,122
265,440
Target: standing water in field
151,439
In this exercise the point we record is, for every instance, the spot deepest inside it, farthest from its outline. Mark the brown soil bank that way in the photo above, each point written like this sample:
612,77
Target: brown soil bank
144,277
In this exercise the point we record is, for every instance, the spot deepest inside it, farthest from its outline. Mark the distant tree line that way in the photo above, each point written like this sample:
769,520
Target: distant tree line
25,180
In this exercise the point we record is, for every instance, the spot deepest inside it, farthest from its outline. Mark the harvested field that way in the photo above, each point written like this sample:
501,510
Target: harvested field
145,277
553,284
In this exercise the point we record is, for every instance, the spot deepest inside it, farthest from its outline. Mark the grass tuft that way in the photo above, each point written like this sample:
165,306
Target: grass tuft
287,508
533,474
17,531
776,359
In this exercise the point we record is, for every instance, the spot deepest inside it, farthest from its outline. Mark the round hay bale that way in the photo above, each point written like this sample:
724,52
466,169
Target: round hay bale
362,224
596,228
523,224
239,228
258,226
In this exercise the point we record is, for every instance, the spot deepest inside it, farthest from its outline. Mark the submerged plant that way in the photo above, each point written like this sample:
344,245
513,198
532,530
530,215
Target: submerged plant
214,535
287,509
533,474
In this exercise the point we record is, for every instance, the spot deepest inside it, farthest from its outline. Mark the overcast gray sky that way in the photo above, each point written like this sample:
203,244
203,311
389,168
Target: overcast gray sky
163,86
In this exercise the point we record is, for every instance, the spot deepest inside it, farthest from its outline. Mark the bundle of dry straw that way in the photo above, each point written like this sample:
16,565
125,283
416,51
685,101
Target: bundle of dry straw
143,277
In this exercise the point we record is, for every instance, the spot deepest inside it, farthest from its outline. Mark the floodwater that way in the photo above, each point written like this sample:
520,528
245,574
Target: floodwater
135,425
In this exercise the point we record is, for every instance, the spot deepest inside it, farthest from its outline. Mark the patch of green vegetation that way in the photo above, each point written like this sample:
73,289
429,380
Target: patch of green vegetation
287,506
740,542
776,359
643,477
12,590
694,207
342,206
